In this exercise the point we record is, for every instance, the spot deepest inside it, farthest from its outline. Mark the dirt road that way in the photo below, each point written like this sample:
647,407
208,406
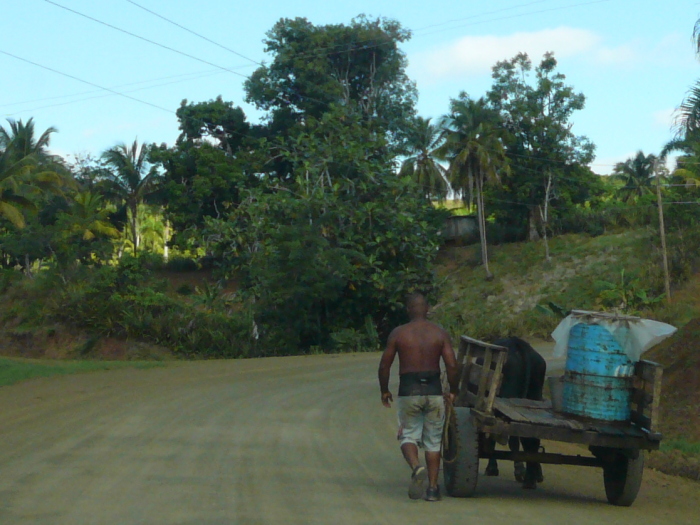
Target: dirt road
276,441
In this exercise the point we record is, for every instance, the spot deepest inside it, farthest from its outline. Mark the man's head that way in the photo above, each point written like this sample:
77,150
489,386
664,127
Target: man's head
417,306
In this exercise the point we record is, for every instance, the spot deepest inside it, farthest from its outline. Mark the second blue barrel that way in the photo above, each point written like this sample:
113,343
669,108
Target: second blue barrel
598,375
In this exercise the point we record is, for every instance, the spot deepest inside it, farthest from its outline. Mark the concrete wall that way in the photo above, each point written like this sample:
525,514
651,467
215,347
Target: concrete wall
462,227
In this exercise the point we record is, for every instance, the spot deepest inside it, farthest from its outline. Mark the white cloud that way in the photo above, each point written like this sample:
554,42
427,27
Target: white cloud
476,55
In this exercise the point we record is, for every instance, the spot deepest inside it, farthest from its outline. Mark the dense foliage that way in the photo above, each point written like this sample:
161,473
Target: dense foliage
313,224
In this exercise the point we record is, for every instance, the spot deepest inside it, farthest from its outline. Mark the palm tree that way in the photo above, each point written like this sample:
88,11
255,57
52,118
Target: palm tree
129,180
24,140
637,173
23,173
688,163
87,217
422,165
473,144
688,113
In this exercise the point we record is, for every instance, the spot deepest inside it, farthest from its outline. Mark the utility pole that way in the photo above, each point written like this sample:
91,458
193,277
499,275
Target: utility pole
662,231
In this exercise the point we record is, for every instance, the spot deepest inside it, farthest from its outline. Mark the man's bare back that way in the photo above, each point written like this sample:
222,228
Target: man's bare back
419,345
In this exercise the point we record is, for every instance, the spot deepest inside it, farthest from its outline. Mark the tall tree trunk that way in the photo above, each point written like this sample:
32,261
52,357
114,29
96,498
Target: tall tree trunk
166,234
533,234
134,229
544,215
482,226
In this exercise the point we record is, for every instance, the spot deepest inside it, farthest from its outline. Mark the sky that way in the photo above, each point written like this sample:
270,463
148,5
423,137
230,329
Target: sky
633,59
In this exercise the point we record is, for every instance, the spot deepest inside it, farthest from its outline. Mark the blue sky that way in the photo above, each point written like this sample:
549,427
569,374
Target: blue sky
633,60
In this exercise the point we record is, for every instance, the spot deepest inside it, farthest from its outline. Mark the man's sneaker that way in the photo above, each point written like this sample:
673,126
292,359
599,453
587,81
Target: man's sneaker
432,494
415,488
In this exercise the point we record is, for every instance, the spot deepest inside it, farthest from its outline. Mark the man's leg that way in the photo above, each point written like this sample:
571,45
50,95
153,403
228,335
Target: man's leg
432,460
432,441
410,454
410,430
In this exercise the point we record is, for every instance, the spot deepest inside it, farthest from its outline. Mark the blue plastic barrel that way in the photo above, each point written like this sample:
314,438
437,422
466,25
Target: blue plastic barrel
598,375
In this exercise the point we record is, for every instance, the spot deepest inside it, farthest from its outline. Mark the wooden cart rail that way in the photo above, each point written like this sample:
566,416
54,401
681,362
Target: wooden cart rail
480,365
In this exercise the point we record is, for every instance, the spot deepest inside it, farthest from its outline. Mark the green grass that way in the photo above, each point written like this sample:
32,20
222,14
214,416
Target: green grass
689,448
16,370
506,305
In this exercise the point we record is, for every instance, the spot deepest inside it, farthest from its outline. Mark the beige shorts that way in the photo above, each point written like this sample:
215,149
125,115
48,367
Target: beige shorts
421,420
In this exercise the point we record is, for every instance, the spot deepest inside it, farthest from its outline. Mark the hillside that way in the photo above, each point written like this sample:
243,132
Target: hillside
584,273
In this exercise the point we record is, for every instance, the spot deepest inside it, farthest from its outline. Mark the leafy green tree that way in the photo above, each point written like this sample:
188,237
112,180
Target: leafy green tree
549,163
346,239
217,120
474,146
637,174
423,164
130,180
208,170
358,66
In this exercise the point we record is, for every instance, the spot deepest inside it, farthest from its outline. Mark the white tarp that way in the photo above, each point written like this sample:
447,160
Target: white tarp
635,335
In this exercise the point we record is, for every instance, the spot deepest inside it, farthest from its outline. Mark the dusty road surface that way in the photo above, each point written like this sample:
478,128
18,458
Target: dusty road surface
281,441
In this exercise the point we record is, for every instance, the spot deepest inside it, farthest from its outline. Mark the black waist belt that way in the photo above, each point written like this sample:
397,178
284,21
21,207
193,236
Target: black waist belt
420,384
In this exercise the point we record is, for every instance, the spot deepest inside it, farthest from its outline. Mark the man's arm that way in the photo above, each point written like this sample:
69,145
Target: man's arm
448,356
385,369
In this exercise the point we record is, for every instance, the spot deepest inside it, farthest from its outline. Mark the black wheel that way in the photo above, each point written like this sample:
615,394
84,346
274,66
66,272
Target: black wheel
461,454
623,477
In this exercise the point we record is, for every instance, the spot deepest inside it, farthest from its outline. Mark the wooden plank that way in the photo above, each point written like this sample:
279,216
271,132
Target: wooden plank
654,412
496,379
536,416
483,381
543,457
482,344
545,404
569,436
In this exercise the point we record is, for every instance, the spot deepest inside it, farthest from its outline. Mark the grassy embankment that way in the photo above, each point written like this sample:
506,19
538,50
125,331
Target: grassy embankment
574,279
14,370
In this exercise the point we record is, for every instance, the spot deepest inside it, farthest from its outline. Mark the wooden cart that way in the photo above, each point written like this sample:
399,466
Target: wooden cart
478,414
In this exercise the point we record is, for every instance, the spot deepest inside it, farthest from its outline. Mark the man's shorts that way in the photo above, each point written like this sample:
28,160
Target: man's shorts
421,420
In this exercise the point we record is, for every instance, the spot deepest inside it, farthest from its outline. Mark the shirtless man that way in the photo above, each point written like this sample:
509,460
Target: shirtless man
421,405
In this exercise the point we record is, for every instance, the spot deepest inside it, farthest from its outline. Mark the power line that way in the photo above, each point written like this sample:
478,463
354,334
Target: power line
211,73
68,75
175,50
519,15
253,61
511,8
73,77
194,32
153,42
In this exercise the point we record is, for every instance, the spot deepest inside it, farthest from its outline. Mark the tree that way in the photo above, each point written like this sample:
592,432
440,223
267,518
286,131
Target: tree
23,176
358,66
25,143
209,168
130,180
637,174
473,144
688,113
335,249
221,121
549,162
423,164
